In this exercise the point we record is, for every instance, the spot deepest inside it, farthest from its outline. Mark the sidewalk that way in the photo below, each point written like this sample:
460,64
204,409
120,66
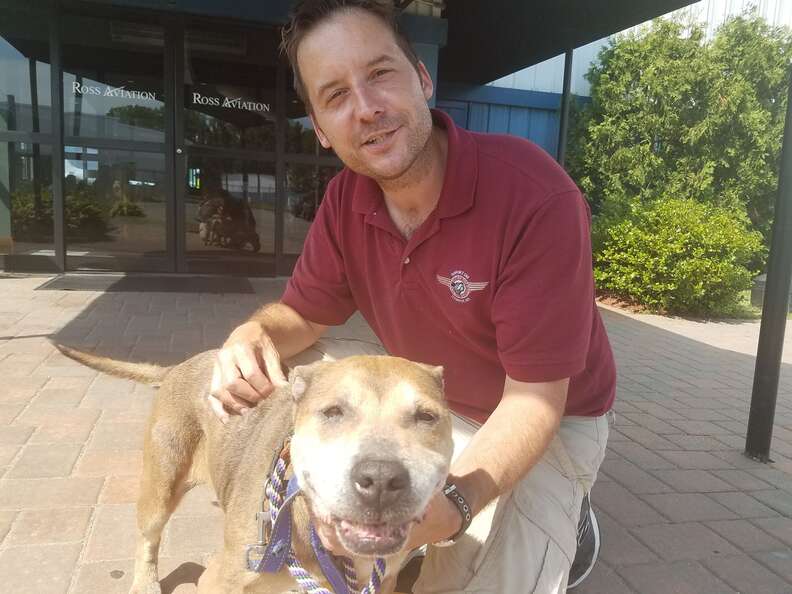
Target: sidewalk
682,510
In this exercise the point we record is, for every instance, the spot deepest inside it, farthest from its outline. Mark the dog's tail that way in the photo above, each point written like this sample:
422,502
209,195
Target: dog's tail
146,373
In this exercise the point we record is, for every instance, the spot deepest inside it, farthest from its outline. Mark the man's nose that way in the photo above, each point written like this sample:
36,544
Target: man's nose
368,103
380,483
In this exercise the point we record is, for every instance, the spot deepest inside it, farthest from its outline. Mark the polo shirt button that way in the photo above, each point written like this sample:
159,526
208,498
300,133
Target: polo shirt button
407,260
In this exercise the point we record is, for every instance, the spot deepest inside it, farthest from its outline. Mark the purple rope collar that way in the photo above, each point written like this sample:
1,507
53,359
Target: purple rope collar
270,557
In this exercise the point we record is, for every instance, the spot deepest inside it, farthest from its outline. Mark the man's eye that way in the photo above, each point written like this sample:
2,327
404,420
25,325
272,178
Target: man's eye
334,95
333,412
381,72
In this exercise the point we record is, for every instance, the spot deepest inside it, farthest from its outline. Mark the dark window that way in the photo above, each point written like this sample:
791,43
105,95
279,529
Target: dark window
25,103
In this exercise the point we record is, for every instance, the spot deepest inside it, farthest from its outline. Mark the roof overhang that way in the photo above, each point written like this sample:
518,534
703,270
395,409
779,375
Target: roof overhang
488,40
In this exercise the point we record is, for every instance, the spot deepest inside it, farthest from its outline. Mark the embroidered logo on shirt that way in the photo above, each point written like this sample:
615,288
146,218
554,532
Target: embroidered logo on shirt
460,285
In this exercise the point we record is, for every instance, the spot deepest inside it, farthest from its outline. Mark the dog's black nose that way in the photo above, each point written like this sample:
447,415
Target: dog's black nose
379,483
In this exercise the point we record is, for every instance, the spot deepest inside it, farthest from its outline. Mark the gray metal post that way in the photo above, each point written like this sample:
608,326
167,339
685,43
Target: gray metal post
563,127
774,312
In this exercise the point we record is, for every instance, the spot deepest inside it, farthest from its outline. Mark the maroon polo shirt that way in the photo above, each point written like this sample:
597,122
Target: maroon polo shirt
498,279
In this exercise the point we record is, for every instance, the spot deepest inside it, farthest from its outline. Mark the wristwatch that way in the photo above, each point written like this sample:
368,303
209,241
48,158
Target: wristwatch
451,491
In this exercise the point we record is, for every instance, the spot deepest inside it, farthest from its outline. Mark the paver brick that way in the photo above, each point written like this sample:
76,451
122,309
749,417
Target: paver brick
743,505
746,575
113,533
18,494
43,461
629,475
781,528
745,536
689,541
101,463
120,489
688,507
682,577
49,526
63,433
618,502
604,579
17,434
619,547
695,460
38,569
778,499
779,561
692,481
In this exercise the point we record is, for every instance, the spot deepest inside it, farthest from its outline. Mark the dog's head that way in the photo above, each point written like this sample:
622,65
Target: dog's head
372,445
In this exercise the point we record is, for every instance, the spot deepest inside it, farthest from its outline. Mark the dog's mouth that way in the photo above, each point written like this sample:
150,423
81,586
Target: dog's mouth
372,539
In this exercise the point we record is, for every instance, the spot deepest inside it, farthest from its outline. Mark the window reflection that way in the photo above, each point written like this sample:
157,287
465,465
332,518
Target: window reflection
230,207
26,223
114,202
300,135
305,188
24,75
229,90
113,80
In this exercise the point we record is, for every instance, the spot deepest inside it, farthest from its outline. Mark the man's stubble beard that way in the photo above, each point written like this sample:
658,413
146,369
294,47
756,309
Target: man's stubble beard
418,145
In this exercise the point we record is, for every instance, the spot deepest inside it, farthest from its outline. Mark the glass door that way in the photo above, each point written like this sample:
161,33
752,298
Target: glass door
226,150
117,112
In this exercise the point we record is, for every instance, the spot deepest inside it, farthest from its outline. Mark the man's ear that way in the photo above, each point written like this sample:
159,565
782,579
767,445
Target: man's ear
300,378
426,81
319,132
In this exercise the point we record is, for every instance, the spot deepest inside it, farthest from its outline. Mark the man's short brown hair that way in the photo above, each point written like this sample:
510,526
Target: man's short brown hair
307,14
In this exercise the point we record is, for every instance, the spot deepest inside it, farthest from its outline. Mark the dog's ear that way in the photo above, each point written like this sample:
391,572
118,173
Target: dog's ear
300,378
436,371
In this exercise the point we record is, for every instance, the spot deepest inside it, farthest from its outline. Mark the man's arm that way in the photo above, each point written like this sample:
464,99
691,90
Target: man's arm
248,367
500,454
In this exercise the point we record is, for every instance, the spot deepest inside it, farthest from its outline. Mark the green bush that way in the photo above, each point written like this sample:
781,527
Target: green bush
126,208
680,256
85,219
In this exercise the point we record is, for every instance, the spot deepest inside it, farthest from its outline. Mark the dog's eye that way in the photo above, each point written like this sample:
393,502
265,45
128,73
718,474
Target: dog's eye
333,412
425,416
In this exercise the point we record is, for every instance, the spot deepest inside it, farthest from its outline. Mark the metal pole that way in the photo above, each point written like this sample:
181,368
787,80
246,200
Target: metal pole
774,312
563,128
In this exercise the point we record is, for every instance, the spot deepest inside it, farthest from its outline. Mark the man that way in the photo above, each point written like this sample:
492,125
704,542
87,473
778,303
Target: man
464,250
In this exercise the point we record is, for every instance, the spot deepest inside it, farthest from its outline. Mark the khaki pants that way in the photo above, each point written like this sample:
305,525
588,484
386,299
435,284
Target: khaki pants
524,541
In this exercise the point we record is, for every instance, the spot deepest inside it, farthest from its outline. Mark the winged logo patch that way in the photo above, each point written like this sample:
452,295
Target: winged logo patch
460,285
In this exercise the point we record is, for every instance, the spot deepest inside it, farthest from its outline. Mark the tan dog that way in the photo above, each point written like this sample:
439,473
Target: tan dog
371,445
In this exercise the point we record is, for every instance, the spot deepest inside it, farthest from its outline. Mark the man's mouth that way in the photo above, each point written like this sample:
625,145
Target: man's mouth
372,539
380,138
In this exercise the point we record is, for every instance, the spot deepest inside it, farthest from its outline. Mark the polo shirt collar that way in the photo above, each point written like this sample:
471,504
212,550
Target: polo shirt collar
459,183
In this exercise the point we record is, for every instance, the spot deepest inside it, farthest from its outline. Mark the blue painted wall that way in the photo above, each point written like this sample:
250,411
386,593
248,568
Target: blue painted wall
530,114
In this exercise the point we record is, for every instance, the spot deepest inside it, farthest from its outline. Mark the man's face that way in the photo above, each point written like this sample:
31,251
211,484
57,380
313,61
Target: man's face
369,103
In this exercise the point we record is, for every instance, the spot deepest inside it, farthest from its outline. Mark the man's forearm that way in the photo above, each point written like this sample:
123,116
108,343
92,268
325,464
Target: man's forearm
288,330
511,442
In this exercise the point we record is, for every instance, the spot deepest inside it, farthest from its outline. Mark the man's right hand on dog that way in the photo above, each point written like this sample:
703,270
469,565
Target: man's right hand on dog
246,371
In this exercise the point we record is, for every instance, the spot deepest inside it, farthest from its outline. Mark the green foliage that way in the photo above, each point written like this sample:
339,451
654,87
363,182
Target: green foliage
32,218
126,208
673,114
680,256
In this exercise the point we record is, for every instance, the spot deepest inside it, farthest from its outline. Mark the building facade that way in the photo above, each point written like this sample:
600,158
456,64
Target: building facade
142,140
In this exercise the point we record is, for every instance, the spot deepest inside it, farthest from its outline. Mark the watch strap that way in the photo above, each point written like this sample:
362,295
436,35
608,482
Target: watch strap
453,494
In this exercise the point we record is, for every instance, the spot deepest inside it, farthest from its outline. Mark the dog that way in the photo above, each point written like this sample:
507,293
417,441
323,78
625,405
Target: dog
370,445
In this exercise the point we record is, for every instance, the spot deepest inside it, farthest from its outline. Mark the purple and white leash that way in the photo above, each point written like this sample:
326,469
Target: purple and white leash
279,492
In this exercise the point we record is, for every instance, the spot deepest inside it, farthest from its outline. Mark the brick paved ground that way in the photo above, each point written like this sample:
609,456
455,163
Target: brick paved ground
682,510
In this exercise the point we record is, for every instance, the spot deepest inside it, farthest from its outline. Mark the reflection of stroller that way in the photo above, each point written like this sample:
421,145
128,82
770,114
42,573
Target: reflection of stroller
226,222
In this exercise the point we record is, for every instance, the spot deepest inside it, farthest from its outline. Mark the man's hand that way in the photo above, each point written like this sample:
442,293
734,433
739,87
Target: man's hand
441,521
247,370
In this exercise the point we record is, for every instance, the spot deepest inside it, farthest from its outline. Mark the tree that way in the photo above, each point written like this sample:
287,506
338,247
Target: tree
674,115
